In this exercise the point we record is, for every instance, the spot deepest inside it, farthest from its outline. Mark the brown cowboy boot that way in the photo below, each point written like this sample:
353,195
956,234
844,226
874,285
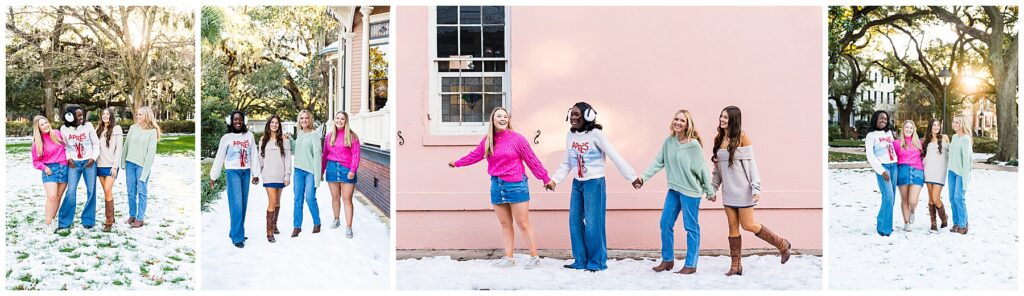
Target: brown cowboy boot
942,216
277,213
295,232
109,211
131,220
665,265
962,230
270,227
781,243
735,250
931,216
316,228
687,270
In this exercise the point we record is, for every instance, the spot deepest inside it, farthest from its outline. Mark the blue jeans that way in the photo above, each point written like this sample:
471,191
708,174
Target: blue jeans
955,183
138,190
66,215
675,202
305,190
888,189
587,206
238,201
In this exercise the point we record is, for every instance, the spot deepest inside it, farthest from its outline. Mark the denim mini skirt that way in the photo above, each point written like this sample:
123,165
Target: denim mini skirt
504,192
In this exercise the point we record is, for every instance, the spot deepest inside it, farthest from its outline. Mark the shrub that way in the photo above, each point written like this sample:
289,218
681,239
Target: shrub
178,126
214,110
985,145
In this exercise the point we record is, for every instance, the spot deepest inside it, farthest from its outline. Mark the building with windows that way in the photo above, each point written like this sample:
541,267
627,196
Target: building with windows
358,85
880,90
457,63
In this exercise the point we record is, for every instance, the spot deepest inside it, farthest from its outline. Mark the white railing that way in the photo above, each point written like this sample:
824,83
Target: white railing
374,127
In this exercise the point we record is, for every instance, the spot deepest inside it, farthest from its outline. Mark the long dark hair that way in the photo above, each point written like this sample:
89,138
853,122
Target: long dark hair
72,108
872,126
278,138
587,125
928,137
733,133
231,119
107,128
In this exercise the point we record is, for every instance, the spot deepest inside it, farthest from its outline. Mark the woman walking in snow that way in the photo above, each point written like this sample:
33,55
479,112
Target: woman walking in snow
236,153
276,169
909,171
960,153
137,157
341,161
585,151
82,146
308,171
109,160
688,180
936,158
48,156
879,150
735,172
506,151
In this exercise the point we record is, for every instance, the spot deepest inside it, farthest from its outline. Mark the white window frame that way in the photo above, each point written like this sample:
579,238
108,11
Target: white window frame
434,97
386,42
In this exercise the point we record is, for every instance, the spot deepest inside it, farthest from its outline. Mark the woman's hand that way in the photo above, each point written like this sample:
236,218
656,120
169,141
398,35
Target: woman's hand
47,171
550,185
351,175
211,183
287,182
638,183
88,163
712,198
113,172
71,164
451,164
255,180
756,197
885,176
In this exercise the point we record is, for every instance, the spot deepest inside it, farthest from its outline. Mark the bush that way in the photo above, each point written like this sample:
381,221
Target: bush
214,110
985,145
178,126
23,128
834,132
207,194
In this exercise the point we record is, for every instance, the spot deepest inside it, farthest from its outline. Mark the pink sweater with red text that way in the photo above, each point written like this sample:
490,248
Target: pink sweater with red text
511,150
52,153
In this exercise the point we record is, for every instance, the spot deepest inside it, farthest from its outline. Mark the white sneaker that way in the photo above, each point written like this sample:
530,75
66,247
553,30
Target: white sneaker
911,217
348,232
505,262
534,262
336,224
906,227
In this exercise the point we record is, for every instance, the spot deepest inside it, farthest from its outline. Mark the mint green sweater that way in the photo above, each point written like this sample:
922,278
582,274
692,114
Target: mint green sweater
687,172
140,148
308,152
960,154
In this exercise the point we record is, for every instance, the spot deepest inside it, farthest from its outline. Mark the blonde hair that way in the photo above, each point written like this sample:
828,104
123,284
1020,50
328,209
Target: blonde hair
348,131
37,135
963,125
148,120
304,111
489,149
903,135
691,130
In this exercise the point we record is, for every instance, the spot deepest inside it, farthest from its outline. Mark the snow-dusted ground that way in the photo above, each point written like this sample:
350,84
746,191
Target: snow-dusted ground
325,260
985,258
802,272
159,255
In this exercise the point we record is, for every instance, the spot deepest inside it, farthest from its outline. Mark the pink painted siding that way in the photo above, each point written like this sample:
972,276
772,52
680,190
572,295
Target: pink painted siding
766,60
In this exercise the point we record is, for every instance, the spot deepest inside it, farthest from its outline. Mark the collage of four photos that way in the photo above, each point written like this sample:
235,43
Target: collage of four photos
223,148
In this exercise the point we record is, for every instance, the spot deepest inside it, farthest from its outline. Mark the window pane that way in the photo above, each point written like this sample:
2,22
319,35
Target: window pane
491,102
469,15
470,41
450,108
472,84
492,84
447,41
494,66
442,66
472,108
494,41
449,84
447,15
494,15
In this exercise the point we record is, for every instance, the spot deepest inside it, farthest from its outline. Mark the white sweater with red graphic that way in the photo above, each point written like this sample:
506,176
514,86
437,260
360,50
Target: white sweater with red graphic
584,157
237,151
80,142
878,148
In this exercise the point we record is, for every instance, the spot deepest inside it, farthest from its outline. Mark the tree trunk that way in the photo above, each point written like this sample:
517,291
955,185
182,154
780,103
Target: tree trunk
49,94
1006,109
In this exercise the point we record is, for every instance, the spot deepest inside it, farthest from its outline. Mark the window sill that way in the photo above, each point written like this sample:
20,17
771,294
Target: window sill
451,140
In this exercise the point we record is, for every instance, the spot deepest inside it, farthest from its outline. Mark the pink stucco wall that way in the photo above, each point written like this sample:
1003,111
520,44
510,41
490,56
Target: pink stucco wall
636,65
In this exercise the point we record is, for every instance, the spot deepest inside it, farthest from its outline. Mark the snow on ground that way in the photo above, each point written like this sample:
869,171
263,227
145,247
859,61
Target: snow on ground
325,260
159,255
985,258
802,272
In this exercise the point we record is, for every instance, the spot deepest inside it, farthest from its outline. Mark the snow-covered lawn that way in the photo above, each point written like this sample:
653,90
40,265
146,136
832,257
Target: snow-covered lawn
159,255
985,258
802,272
325,260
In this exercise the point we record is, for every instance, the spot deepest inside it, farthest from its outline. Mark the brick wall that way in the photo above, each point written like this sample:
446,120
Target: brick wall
372,167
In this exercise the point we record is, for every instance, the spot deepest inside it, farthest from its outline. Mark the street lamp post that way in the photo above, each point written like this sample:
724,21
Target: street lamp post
944,77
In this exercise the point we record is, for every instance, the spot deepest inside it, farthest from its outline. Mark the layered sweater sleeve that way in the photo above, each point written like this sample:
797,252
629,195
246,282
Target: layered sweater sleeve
354,163
566,166
287,159
95,143
716,175
755,176
124,152
530,158
657,164
474,156
253,155
966,155
118,140
218,161
150,153
704,176
624,168
869,151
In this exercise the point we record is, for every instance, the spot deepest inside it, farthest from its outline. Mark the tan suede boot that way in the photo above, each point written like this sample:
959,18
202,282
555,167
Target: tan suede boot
781,243
735,250
109,211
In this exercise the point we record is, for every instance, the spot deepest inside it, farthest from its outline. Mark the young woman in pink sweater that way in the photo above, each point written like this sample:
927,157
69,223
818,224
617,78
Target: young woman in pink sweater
340,163
506,151
48,156
909,171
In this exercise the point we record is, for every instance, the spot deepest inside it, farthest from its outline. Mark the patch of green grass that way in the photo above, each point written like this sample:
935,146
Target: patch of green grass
174,257
22,256
168,268
26,278
177,280
171,145
118,283
18,148
80,269
75,256
846,143
64,232
845,157
144,269
207,194
105,244
66,249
